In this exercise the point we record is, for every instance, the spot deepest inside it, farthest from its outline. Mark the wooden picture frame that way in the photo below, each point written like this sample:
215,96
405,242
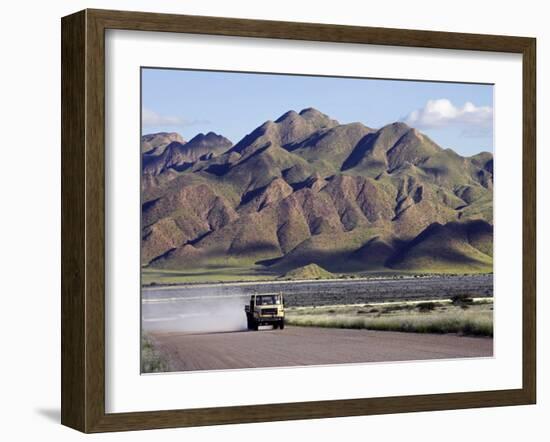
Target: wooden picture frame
83,220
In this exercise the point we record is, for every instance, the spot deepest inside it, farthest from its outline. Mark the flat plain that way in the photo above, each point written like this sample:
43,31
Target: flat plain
203,326
333,292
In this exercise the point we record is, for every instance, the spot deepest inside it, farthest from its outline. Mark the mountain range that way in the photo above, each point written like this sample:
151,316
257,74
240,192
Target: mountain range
304,189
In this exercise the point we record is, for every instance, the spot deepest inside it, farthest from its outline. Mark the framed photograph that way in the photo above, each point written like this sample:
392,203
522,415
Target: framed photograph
267,221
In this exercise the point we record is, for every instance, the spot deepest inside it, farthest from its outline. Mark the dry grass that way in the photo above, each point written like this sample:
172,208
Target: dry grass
441,317
151,359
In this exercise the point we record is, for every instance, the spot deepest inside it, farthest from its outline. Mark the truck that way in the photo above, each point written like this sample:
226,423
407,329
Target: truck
265,309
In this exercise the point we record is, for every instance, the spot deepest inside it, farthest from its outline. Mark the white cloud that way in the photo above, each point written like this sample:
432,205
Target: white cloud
443,113
150,118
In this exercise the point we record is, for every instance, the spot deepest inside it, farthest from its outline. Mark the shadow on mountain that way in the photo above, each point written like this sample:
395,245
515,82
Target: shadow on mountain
218,169
360,151
464,245
149,204
182,167
249,196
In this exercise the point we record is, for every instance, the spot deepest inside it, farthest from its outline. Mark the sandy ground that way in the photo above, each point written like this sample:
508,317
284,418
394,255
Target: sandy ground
298,346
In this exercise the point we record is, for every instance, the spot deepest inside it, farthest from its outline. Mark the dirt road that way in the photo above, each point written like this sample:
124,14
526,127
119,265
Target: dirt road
295,346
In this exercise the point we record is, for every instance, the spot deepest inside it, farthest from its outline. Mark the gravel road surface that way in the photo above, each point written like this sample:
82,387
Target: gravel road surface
299,346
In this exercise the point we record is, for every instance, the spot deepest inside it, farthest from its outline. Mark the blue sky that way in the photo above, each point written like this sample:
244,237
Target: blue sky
455,115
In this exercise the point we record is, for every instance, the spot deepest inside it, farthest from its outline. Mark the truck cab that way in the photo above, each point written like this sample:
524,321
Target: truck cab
265,309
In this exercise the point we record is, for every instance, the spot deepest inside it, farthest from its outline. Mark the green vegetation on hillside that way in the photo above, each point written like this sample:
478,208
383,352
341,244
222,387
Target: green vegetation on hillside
306,190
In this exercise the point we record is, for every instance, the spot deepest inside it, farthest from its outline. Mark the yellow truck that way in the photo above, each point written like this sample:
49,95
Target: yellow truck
265,309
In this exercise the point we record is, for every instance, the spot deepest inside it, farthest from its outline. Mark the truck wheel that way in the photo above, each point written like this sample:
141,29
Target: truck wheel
282,324
275,325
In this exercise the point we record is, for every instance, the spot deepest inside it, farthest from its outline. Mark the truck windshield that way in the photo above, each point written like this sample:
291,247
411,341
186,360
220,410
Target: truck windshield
268,300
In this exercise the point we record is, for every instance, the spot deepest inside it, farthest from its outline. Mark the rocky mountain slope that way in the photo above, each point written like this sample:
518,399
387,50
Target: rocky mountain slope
179,154
305,189
154,144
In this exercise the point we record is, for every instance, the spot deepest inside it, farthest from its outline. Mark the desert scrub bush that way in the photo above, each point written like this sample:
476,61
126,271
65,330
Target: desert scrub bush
462,299
396,307
426,306
151,360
